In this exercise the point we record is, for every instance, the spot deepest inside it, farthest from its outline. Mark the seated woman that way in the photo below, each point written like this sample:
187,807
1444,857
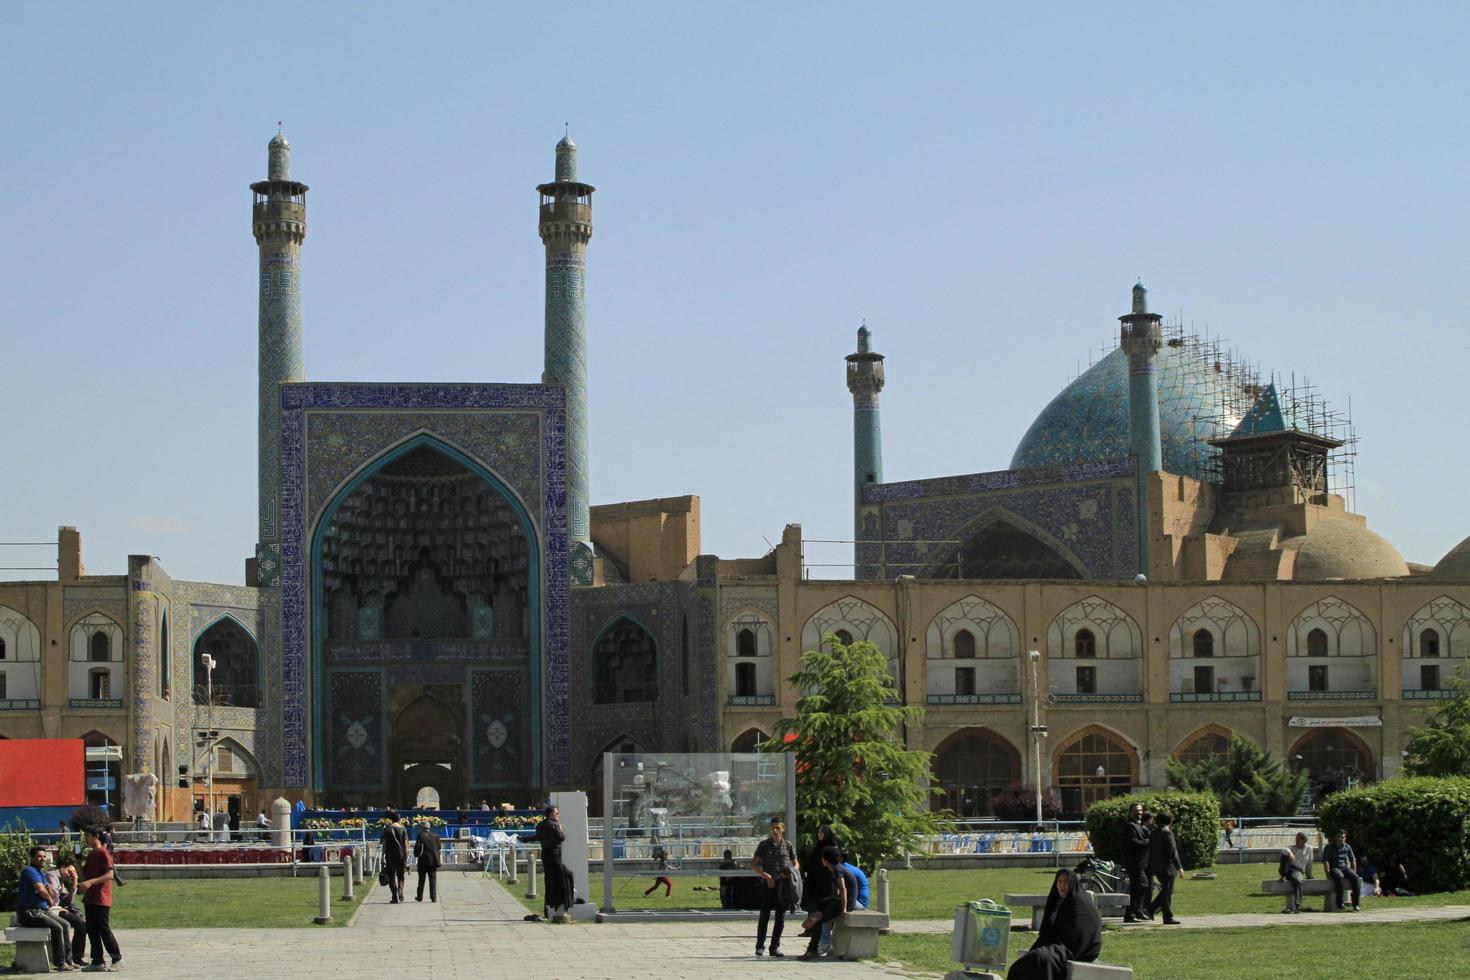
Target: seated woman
1070,930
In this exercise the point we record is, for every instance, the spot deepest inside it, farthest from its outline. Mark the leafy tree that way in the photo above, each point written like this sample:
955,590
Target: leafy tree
1442,748
853,771
15,854
1246,780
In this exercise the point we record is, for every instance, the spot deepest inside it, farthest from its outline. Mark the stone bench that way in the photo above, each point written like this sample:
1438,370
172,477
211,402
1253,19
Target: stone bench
1108,903
855,934
1075,971
1312,886
32,948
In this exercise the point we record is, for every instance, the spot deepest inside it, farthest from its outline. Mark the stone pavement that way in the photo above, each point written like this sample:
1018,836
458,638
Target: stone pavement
475,930
1437,913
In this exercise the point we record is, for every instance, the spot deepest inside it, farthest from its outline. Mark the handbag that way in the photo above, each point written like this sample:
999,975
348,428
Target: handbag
383,877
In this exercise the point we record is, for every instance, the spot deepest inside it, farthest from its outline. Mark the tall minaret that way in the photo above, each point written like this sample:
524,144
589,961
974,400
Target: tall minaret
865,380
566,226
279,223
1141,340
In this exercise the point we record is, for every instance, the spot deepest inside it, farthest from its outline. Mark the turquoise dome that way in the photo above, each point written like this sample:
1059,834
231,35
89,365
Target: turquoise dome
1088,421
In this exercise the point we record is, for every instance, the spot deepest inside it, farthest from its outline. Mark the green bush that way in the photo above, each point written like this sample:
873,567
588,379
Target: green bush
1423,819
1196,824
15,854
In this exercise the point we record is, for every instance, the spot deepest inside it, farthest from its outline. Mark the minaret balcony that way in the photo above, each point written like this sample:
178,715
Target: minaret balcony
569,210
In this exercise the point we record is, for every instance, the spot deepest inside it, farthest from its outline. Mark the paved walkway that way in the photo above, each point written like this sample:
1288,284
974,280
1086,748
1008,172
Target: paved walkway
475,930
1438,913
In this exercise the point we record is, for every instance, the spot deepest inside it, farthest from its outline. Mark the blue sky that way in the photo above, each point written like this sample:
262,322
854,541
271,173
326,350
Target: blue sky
981,182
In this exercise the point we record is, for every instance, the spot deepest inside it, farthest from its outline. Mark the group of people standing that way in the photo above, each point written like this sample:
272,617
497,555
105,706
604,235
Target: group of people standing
827,887
47,900
1151,858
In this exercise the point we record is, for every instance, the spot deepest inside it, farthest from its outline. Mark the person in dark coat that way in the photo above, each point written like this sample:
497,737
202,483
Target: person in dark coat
560,890
1135,862
815,884
1070,930
426,850
1164,866
394,842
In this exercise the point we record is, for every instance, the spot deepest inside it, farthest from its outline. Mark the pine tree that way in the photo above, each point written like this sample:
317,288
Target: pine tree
1247,781
853,770
1442,748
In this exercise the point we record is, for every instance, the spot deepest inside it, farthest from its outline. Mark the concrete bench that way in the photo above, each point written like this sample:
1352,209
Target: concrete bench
1108,903
855,934
1312,886
31,948
1075,971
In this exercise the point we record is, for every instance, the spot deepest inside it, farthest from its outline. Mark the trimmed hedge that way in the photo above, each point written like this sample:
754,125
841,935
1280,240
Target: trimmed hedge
1196,824
1424,820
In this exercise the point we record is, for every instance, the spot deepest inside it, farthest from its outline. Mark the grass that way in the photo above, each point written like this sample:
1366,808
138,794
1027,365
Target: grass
218,903
628,893
1404,951
1236,888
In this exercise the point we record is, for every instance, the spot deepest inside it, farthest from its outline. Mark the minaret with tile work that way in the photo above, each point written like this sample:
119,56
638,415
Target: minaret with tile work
1142,338
864,380
279,223
566,227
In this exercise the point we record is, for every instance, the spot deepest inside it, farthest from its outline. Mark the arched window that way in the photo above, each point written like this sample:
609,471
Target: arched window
745,642
163,656
964,645
745,680
1084,644
1317,643
1429,643
748,740
1094,767
626,665
99,648
1211,745
844,637
236,659
1204,643
970,768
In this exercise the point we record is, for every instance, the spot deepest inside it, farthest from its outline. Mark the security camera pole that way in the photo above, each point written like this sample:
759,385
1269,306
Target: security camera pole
1038,730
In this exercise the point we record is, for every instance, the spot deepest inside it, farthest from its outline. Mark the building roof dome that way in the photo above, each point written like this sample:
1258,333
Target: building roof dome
1456,564
1345,549
1088,420
565,143
280,140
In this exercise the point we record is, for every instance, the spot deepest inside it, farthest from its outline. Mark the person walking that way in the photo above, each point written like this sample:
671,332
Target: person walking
1294,868
394,841
426,850
96,888
206,826
1340,862
33,901
775,858
1164,865
1135,861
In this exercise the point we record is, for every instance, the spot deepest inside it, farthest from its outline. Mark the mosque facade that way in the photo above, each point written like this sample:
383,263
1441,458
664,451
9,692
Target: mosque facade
433,603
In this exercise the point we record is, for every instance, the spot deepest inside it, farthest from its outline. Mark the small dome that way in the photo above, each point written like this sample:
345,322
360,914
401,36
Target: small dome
565,143
1088,420
1456,564
279,140
1345,549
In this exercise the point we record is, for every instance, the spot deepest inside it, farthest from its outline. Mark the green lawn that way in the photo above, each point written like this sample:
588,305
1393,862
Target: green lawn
1404,951
628,893
210,903
935,894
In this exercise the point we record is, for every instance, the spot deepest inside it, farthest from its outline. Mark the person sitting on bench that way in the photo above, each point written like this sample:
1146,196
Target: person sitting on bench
1070,931
1295,867
1339,860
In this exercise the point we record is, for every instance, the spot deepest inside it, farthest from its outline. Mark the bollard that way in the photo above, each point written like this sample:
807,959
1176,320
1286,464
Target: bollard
513,858
531,876
347,876
359,863
880,899
324,895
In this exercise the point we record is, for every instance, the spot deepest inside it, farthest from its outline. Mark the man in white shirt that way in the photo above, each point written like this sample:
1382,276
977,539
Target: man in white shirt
206,829
1296,866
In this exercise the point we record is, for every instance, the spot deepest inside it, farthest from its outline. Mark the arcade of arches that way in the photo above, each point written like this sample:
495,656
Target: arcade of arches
426,574
970,768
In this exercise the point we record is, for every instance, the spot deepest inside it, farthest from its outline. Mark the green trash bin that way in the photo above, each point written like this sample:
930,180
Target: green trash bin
982,933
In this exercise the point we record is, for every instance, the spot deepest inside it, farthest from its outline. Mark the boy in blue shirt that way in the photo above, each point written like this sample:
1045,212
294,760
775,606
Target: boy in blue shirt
862,882
33,908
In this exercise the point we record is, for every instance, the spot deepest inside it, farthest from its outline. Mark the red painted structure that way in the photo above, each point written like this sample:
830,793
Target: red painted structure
42,772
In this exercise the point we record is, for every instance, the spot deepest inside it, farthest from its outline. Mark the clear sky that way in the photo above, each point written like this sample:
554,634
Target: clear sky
981,182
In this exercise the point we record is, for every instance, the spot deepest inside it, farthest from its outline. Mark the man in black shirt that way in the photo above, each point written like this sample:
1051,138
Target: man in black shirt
1135,861
774,859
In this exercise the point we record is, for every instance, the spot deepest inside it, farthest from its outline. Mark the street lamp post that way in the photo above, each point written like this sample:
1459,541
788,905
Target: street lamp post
209,663
1038,730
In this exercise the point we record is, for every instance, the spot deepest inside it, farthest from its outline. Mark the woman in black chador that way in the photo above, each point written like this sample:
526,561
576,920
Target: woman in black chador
560,891
1070,930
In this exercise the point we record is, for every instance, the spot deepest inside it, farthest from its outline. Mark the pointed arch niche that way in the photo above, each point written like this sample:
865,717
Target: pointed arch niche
95,673
750,672
20,659
624,663
1214,653
971,766
1436,643
972,655
1332,653
855,618
1001,545
1334,758
1094,653
236,676
747,740
1208,742
1093,764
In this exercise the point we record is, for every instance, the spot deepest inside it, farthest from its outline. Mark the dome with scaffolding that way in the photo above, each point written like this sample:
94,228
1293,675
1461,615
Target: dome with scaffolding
1203,394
